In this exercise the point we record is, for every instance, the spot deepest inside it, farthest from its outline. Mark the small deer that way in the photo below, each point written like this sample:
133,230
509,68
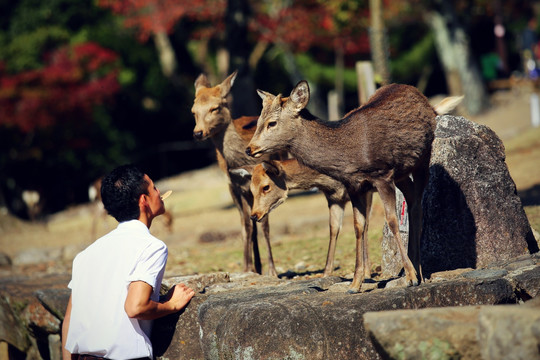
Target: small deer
213,120
270,185
32,200
378,145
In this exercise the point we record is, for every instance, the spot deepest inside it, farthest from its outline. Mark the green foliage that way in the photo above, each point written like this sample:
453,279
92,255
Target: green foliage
324,74
409,65
25,51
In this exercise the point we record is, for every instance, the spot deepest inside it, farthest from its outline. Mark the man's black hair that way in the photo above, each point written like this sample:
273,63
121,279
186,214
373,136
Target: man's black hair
120,192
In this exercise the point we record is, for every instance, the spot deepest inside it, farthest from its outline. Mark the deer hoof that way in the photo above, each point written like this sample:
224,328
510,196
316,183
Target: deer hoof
353,291
413,282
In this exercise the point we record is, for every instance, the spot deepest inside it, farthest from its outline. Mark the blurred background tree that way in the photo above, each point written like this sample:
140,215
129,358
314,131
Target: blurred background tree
87,85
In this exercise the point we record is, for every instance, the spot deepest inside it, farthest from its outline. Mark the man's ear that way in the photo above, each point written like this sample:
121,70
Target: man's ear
143,202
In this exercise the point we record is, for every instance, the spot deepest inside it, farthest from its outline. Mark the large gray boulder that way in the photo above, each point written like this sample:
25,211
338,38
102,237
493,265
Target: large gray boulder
472,213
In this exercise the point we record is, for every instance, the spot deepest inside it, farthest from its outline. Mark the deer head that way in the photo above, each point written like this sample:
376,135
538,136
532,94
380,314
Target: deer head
268,187
210,107
279,120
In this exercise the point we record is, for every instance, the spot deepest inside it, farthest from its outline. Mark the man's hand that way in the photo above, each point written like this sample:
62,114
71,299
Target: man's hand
179,296
138,304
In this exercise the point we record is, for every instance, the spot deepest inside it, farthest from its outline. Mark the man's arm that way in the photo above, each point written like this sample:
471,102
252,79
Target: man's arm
138,304
66,355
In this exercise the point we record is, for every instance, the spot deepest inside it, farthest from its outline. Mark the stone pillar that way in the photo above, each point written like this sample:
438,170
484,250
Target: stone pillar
472,213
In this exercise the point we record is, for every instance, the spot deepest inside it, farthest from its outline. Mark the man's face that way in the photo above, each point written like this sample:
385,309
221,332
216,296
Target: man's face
154,201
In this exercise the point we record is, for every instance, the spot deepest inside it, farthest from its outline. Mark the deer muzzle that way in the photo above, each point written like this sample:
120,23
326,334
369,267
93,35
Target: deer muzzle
198,135
250,152
256,217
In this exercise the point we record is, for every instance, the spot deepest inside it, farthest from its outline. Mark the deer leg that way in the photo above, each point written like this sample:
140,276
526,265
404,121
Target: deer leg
247,234
361,206
420,177
266,232
406,186
387,192
336,220
247,227
255,245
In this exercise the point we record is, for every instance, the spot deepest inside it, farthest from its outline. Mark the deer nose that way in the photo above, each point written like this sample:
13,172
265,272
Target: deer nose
254,217
248,151
198,135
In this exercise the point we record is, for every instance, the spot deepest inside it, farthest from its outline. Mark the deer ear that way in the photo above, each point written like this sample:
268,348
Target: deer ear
243,172
202,81
227,84
264,95
300,95
271,167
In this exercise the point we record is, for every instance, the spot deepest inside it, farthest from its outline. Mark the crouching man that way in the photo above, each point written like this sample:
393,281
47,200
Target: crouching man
116,280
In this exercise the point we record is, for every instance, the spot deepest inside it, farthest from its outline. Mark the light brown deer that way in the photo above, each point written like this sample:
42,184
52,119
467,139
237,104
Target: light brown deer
377,145
270,185
213,121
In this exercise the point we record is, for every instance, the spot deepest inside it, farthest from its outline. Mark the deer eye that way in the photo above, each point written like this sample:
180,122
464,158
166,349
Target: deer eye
266,188
271,124
214,110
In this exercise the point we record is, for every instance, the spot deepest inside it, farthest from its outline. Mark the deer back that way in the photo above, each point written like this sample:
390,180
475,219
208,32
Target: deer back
388,134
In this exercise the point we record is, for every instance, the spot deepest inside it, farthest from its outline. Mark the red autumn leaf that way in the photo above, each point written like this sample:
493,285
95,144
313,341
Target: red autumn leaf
73,81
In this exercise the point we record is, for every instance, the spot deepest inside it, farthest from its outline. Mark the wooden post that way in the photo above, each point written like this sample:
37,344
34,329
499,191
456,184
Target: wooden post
535,110
366,80
333,105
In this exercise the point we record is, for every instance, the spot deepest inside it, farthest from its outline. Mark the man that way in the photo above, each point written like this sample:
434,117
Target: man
116,281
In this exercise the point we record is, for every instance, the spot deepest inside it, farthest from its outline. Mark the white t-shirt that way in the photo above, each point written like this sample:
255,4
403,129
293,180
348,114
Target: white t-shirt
101,275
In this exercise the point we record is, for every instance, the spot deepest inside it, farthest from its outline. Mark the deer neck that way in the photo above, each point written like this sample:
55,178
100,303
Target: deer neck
319,144
231,146
299,176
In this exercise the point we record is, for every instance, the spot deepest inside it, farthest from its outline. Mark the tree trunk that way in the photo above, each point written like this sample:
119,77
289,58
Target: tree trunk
378,42
339,82
167,56
245,101
452,44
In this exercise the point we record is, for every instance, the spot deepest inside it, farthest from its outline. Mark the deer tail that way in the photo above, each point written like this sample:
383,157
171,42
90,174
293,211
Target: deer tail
448,104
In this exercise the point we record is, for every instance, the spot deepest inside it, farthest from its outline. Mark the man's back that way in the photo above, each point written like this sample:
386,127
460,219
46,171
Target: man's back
101,276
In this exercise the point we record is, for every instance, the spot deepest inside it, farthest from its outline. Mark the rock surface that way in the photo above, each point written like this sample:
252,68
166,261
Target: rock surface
248,316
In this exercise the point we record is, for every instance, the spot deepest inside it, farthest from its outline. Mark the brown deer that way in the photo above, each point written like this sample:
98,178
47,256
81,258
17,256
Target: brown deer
270,185
213,121
377,145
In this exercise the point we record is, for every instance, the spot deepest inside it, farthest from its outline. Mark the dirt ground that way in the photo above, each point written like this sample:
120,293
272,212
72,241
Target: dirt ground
205,233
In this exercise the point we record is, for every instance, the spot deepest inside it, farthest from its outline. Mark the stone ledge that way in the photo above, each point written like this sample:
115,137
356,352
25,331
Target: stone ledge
249,316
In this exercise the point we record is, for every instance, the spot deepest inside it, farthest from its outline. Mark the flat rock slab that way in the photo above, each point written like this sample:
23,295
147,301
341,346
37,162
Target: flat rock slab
469,332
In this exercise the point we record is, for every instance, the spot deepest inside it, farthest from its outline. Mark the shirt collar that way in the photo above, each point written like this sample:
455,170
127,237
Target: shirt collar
133,225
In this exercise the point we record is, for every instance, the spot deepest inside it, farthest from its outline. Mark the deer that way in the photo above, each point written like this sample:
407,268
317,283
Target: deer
382,144
213,120
270,185
31,199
